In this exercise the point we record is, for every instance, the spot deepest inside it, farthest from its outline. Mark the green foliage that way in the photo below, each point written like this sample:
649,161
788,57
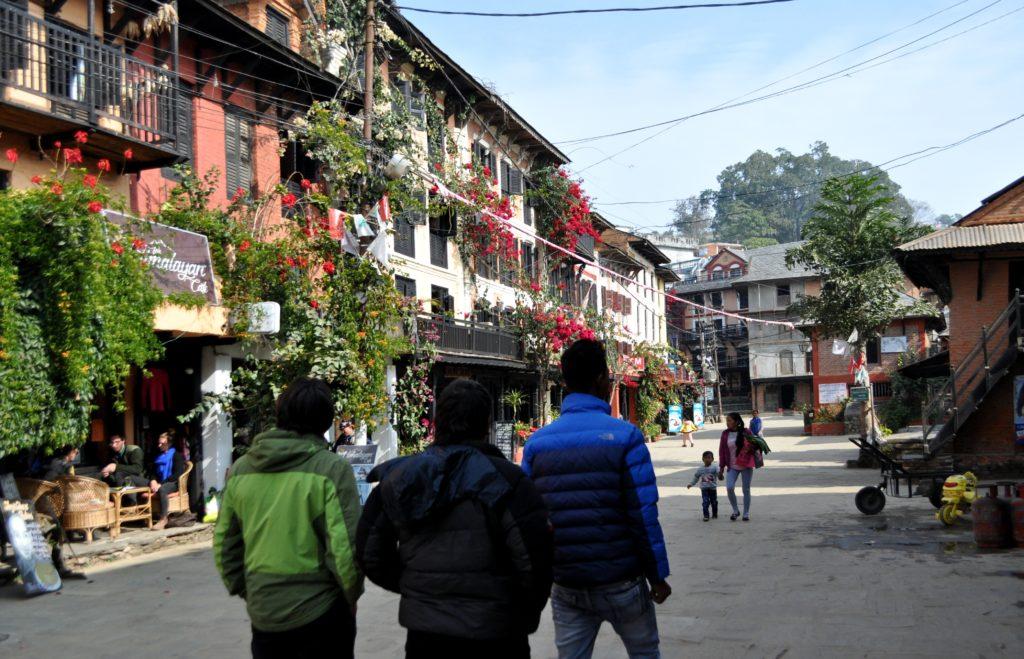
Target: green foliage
76,310
773,196
754,243
849,242
413,396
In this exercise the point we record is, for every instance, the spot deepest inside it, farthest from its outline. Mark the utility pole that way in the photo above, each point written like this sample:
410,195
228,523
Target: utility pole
369,77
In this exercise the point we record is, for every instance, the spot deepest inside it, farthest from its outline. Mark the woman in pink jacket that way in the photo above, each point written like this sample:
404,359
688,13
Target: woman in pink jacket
737,453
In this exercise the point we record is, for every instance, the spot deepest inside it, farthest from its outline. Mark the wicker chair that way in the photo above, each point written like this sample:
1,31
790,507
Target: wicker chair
177,502
47,497
87,505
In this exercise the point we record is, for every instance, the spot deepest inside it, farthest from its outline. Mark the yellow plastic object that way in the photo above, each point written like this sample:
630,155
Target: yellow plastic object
958,489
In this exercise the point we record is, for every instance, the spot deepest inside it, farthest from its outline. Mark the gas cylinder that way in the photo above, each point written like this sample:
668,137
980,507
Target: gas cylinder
992,528
1017,515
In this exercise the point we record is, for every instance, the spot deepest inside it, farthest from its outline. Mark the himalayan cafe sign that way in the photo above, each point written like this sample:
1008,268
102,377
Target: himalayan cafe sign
179,260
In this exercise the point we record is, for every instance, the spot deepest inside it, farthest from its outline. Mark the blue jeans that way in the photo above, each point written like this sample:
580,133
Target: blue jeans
730,488
709,500
579,612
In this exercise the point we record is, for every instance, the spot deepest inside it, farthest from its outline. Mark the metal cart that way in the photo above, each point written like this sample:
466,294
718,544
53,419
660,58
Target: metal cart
896,481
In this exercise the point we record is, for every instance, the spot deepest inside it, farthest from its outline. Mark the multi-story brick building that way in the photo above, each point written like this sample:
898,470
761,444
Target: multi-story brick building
976,267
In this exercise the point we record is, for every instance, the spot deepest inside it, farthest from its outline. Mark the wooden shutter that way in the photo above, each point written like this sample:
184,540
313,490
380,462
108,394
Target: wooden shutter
277,27
515,181
231,156
505,176
245,154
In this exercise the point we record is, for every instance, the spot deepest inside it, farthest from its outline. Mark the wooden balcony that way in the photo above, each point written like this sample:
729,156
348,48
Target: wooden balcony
467,337
55,81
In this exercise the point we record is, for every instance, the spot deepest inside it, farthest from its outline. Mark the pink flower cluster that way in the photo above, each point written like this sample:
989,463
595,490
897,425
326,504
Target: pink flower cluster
574,221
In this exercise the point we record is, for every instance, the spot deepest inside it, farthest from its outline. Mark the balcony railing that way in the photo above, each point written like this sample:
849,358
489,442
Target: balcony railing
56,70
720,275
734,362
451,335
738,331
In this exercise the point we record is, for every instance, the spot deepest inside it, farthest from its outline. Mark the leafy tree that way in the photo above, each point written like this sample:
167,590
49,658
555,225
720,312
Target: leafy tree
773,196
754,243
849,241
946,219
692,217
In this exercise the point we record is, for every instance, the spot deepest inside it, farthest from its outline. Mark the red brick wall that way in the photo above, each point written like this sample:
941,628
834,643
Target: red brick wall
966,312
987,441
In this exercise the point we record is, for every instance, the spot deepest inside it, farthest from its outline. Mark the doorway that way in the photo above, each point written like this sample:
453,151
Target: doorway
787,394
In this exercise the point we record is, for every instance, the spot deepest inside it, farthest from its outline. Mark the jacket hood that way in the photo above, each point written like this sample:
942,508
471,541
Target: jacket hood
418,488
281,450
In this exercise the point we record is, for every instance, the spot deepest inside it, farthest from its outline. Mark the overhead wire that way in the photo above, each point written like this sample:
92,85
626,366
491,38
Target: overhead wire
603,10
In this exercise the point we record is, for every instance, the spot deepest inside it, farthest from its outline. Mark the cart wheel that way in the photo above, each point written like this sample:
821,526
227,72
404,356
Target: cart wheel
870,500
936,498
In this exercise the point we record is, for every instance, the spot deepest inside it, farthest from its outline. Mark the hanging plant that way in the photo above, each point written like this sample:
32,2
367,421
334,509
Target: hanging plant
76,305
562,208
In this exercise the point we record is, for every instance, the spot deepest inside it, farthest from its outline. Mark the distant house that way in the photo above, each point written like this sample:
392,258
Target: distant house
977,268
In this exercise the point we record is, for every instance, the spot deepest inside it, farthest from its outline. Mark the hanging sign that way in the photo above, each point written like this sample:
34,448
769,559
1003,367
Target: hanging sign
831,393
859,394
698,414
179,261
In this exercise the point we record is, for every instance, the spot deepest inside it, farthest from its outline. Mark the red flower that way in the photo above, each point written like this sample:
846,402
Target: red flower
57,189
329,267
288,200
56,145
117,248
89,181
434,189
81,137
314,304
138,244
37,179
239,193
96,207
103,165
306,184
128,154
290,261
468,165
244,246
487,171
73,156
12,155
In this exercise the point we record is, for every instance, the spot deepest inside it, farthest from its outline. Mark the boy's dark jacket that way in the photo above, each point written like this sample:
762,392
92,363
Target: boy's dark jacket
463,535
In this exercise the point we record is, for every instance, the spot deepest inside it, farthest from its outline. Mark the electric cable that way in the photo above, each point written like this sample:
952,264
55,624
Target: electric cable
607,10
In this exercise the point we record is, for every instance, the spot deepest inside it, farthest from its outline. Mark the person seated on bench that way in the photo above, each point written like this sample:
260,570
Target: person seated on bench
167,469
126,467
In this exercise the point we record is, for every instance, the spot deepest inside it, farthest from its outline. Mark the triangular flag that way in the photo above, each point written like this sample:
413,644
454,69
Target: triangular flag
335,222
838,347
349,243
379,248
853,337
363,229
381,212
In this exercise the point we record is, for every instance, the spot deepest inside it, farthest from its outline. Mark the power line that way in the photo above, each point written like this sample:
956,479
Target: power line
609,10
914,156
843,72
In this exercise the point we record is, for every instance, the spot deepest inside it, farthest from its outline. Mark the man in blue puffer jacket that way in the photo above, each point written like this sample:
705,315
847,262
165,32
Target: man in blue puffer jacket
596,478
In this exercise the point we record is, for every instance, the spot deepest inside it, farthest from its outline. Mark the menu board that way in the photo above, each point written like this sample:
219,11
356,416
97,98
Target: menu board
504,433
31,551
362,457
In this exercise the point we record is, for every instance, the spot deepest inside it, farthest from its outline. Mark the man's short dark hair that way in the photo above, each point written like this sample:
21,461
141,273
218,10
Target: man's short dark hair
583,363
306,407
463,413
115,436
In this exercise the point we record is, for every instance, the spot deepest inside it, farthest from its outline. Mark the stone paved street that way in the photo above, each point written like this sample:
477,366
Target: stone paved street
807,577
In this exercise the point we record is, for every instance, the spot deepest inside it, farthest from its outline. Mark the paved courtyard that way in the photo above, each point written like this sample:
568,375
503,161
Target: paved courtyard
808,576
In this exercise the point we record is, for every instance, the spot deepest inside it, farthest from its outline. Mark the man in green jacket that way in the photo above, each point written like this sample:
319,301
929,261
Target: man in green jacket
285,535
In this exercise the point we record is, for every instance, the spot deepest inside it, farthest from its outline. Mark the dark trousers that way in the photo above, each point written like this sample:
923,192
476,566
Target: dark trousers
424,645
709,500
332,634
165,493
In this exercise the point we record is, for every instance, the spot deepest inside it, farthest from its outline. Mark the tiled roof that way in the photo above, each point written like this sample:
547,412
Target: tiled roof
769,263
959,237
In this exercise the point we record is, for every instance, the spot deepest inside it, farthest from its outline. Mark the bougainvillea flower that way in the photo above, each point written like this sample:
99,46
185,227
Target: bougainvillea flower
81,137
306,184
89,181
12,155
329,267
244,246
118,249
96,207
128,155
288,200
103,165
73,156
57,189
37,179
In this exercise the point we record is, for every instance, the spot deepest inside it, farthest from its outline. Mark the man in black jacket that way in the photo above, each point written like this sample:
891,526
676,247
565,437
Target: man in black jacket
127,465
463,535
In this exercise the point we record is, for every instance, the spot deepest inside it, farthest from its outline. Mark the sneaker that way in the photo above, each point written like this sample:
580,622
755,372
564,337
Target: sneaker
715,516
746,519
733,517
706,518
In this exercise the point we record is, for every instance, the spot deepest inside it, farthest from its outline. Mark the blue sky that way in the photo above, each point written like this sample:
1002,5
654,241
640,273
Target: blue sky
577,76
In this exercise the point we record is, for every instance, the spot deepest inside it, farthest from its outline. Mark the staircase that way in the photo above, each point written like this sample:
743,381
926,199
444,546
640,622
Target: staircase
953,403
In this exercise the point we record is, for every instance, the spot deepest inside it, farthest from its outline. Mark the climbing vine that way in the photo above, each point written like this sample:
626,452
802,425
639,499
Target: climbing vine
76,304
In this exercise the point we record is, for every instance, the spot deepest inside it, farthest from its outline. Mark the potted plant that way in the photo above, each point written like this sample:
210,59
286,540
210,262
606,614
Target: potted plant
828,420
522,435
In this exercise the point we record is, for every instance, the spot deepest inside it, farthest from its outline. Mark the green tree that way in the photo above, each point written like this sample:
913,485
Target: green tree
773,196
692,217
754,243
849,240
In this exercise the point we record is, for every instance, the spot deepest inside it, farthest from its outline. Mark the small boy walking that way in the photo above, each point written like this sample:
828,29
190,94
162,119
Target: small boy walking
707,476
